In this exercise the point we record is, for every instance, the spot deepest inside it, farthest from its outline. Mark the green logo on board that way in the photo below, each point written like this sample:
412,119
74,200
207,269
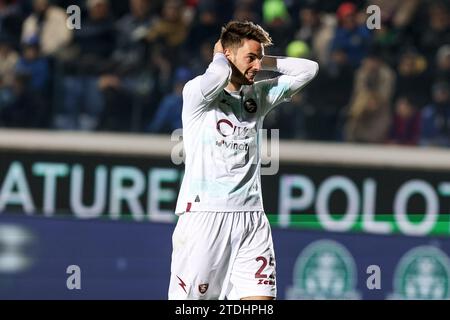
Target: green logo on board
422,274
324,270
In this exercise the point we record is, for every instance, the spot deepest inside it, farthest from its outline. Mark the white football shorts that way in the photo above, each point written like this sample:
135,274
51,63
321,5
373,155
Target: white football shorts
222,255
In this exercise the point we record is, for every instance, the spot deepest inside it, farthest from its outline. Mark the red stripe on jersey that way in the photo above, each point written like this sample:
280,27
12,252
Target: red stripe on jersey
188,207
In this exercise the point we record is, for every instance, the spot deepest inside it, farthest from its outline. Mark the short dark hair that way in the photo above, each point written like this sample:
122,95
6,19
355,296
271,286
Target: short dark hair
235,31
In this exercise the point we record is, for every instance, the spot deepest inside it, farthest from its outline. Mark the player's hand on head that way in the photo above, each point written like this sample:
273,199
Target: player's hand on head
218,48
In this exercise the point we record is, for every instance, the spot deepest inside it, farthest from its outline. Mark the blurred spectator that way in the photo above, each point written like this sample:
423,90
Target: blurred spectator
436,118
123,83
118,104
350,37
399,13
10,21
200,61
130,101
130,50
277,21
369,119
114,72
245,12
8,60
437,30
292,118
171,29
93,44
274,12
317,31
405,128
96,39
25,109
119,8
397,27
131,84
298,49
375,75
413,76
326,7
442,72
373,80
223,9
32,64
327,116
168,114
48,23
207,25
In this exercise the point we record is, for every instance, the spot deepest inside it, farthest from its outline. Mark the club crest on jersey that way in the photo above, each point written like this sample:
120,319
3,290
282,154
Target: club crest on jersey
202,288
250,106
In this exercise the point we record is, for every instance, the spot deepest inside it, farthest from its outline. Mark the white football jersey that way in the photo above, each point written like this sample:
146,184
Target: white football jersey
221,134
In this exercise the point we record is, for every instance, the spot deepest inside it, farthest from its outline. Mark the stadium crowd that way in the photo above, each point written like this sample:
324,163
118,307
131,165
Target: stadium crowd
125,68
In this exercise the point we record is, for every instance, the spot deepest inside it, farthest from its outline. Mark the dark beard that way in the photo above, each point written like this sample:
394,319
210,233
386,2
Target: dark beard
237,76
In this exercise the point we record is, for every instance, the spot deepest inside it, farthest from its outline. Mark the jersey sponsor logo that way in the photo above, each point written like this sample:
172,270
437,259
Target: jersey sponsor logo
423,273
227,129
202,288
232,145
324,270
250,106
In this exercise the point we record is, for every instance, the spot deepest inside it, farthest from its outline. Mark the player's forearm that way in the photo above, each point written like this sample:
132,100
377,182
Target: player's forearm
216,76
290,66
301,70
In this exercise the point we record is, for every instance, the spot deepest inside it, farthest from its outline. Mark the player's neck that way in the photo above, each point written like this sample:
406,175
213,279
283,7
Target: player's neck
233,86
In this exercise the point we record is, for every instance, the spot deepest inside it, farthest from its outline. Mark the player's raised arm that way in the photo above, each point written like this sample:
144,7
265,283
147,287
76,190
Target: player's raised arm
296,73
300,71
201,91
216,77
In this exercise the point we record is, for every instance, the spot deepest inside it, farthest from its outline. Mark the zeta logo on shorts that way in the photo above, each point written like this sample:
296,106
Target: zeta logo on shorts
202,288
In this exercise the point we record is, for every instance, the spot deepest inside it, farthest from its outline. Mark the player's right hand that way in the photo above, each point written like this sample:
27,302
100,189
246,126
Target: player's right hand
218,48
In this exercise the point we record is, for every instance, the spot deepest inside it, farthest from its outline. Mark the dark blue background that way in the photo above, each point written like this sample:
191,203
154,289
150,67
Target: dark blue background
131,260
